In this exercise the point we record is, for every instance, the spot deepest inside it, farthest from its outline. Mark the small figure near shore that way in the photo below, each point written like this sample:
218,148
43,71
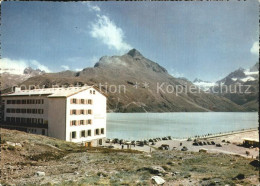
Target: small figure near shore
122,146
180,144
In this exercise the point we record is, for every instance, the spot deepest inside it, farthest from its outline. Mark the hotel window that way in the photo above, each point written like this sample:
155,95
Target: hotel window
33,101
29,120
73,135
90,101
9,101
97,131
83,134
18,110
89,121
94,92
90,91
12,119
8,119
40,111
12,110
81,111
40,121
18,101
23,101
82,101
18,120
13,101
82,122
28,101
74,122
74,101
23,120
89,132
8,110
89,111
74,112
102,131
42,101
34,111
29,111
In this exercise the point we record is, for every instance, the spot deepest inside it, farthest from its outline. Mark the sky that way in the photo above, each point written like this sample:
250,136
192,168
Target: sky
205,40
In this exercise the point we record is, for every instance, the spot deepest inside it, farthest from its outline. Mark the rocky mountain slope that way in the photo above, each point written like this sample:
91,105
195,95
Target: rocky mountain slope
242,87
9,80
131,83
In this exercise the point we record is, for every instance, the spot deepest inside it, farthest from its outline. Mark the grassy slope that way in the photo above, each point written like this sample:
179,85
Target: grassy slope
60,160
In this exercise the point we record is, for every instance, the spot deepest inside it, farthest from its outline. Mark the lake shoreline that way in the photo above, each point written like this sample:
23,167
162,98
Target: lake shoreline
229,143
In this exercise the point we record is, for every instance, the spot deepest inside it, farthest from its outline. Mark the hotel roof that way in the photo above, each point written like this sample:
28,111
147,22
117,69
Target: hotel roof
50,92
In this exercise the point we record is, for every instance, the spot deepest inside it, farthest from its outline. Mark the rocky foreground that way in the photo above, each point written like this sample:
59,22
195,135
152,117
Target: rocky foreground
34,159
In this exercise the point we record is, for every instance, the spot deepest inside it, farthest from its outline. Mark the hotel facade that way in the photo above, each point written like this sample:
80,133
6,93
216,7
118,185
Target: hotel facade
76,114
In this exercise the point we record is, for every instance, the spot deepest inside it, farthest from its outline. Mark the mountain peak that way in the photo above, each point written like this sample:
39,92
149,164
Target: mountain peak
31,71
134,53
197,80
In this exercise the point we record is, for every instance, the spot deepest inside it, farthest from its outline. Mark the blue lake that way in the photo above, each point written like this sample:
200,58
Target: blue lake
180,125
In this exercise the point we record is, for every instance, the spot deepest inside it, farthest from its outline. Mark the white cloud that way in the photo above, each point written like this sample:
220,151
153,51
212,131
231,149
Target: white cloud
92,7
78,69
105,30
255,48
93,60
175,74
65,67
17,66
40,66
12,66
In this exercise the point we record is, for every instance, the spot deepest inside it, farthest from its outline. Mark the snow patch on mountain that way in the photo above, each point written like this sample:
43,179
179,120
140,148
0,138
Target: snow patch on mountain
248,78
204,85
249,73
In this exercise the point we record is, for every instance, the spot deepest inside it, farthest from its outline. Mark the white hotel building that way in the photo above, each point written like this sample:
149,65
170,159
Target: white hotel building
76,114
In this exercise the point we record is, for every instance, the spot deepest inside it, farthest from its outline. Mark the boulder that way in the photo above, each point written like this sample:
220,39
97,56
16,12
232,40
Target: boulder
240,177
157,170
153,170
255,163
158,180
39,173
10,143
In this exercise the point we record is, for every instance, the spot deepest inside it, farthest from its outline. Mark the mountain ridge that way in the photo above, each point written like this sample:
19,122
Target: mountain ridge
133,71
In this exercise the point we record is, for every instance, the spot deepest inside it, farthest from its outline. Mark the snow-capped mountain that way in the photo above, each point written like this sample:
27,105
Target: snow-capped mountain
241,76
249,79
203,85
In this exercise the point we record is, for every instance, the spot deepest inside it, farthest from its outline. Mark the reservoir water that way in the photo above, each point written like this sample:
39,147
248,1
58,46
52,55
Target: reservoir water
139,126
